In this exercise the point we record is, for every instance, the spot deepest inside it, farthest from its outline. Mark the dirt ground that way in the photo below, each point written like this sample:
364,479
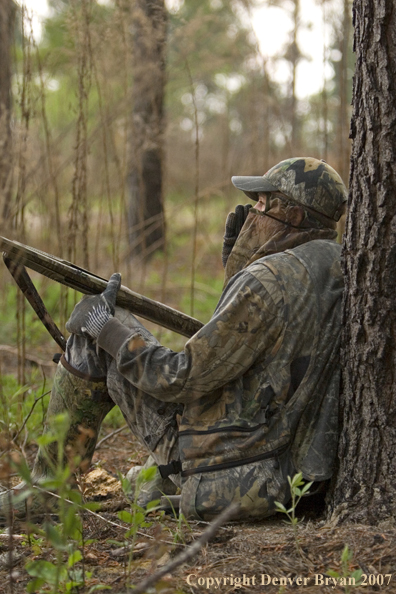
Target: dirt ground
255,557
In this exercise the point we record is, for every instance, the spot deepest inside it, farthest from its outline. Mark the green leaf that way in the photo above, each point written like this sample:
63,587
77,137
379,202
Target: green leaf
296,481
357,575
55,537
46,439
74,558
346,554
146,475
280,506
92,505
22,495
42,569
125,484
34,585
24,471
74,496
306,487
125,516
152,504
139,518
332,573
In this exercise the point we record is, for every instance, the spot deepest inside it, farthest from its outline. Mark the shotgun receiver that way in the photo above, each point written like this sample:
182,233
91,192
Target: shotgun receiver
17,256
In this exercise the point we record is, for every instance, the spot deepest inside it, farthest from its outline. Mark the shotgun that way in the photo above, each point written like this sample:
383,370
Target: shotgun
17,256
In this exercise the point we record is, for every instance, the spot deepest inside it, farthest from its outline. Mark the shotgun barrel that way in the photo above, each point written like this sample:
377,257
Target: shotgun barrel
86,282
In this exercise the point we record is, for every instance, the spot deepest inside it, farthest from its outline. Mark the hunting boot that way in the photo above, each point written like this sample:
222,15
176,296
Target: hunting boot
86,402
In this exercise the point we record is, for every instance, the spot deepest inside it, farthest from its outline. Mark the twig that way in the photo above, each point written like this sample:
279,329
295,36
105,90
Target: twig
88,510
190,552
106,437
30,413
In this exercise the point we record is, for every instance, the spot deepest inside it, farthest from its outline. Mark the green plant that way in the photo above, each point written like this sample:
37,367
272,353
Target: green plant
136,517
181,521
296,493
66,538
22,408
346,574
178,535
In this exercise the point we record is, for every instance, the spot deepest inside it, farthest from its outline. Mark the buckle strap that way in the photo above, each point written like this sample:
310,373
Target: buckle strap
240,462
174,467
80,374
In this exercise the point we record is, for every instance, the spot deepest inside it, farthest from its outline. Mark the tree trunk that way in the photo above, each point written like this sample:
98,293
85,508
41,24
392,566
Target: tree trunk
365,484
146,219
7,12
295,56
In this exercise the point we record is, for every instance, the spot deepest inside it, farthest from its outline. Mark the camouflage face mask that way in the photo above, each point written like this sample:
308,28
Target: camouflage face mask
257,230
263,234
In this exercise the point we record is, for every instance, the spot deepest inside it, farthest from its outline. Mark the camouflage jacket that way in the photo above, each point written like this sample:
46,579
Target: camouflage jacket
262,376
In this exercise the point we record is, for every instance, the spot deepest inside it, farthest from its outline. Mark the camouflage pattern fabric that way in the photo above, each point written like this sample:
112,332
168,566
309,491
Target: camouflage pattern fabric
306,180
255,487
153,422
256,240
259,380
312,183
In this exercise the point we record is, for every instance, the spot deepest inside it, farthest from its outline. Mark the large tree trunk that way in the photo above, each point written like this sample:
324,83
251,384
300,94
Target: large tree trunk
7,12
146,220
365,486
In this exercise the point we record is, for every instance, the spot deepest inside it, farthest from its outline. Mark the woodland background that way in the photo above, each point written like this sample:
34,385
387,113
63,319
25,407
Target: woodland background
71,147
72,157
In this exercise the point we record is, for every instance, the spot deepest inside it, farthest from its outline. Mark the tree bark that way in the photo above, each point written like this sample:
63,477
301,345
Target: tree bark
146,219
364,489
7,13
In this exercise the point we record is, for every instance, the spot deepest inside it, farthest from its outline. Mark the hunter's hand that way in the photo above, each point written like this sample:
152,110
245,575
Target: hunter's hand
234,223
91,314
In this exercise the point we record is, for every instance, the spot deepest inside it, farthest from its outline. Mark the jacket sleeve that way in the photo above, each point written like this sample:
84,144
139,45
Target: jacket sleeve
247,323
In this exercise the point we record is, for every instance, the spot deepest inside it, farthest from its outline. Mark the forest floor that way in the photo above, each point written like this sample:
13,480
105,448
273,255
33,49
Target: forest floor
249,557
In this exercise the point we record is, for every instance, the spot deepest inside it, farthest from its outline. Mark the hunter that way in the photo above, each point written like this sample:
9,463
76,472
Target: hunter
253,397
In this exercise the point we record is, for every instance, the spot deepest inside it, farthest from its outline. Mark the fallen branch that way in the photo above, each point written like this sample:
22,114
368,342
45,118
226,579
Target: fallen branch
190,552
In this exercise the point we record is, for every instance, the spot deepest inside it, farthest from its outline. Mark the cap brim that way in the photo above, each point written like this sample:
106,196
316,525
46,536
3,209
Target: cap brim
255,183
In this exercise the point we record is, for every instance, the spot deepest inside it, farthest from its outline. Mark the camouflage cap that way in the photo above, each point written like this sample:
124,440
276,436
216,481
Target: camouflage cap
305,180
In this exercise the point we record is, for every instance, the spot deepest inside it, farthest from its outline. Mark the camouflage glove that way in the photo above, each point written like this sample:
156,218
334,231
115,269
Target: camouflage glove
234,223
91,314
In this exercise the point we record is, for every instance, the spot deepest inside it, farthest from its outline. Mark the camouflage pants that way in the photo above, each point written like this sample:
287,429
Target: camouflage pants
255,486
153,422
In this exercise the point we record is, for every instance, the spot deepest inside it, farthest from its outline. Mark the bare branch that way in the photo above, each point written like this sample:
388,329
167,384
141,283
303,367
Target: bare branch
190,552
